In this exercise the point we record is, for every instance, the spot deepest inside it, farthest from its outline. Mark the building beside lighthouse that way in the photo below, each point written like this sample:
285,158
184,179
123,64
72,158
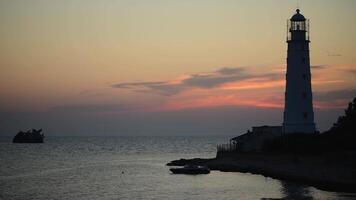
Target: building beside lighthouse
298,107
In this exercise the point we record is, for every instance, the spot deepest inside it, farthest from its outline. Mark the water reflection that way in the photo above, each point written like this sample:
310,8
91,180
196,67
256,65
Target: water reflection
295,191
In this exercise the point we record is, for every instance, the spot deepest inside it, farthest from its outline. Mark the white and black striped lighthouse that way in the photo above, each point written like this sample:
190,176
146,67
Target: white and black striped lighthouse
298,107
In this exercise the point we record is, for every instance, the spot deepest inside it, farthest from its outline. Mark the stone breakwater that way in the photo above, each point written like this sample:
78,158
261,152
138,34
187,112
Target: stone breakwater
333,172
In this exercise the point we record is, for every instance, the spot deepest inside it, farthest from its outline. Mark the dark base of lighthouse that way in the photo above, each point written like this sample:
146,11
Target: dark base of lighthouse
299,128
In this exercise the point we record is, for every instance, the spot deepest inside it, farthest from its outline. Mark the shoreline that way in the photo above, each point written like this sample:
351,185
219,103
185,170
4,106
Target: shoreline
312,170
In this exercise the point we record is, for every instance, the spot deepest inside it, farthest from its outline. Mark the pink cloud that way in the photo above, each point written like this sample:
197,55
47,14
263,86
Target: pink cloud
240,87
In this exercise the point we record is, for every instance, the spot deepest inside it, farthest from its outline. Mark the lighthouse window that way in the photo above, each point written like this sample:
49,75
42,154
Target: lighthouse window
305,115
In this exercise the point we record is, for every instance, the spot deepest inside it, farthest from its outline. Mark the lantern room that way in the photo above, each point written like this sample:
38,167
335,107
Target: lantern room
298,27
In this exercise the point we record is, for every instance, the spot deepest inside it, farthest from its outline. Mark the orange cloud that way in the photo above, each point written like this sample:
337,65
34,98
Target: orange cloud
338,103
223,100
253,83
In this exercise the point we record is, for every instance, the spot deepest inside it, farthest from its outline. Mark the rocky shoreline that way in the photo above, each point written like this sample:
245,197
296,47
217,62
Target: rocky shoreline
332,172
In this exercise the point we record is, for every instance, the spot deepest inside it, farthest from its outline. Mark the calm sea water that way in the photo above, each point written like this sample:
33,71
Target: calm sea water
130,168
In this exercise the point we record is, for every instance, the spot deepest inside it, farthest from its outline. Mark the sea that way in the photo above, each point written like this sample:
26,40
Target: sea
85,168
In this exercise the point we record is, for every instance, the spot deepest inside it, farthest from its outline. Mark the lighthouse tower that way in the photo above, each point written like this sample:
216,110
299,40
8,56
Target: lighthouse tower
298,107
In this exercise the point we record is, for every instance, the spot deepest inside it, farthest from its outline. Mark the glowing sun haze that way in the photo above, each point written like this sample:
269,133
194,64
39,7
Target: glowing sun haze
155,66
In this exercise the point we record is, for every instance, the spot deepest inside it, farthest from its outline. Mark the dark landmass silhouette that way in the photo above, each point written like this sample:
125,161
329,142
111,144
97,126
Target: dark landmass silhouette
326,161
339,138
30,136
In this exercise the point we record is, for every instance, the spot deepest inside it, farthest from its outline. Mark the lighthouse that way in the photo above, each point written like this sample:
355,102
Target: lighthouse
298,105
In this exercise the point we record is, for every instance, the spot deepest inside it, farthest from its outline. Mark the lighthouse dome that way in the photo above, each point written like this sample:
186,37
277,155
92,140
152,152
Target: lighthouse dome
297,16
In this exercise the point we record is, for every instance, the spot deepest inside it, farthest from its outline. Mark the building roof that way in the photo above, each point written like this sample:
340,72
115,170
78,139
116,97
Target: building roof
242,136
251,133
297,16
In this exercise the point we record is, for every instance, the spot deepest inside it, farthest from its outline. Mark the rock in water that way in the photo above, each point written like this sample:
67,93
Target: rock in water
30,136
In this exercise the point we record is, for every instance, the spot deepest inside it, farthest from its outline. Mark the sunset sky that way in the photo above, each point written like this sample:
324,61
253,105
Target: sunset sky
125,67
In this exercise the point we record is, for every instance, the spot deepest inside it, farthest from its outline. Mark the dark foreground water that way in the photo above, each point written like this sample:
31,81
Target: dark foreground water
130,168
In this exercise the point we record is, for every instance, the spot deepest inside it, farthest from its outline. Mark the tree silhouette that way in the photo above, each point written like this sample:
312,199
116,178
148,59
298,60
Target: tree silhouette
342,134
346,124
